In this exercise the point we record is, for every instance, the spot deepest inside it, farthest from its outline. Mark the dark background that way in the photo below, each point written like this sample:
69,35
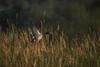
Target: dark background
72,16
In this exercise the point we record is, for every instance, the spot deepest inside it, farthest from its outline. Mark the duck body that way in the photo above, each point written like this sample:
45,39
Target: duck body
36,35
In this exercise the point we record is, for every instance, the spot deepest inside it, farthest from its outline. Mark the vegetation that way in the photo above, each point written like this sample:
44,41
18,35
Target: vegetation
17,50
75,47
72,15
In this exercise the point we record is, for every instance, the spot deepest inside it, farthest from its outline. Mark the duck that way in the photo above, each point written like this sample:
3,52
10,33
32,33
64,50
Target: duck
36,35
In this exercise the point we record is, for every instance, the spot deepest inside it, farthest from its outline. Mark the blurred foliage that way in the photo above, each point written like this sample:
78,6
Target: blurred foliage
71,15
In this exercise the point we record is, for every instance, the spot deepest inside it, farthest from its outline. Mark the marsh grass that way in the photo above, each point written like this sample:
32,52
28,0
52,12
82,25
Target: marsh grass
17,50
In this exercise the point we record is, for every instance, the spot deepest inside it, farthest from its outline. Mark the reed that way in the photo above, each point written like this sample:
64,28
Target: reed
17,50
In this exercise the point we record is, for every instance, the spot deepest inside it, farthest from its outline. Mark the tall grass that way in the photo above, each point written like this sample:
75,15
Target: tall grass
17,50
